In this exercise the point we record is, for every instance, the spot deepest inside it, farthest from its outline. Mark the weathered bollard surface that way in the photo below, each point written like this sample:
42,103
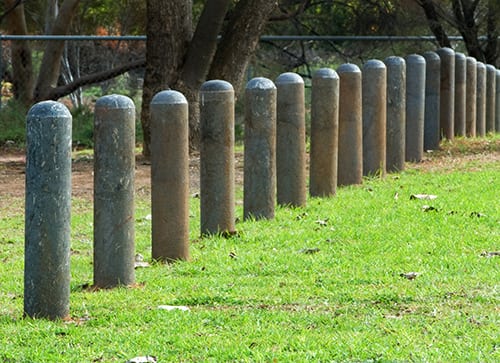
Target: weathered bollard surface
432,100
415,107
396,113
350,151
470,99
374,117
259,179
447,104
324,133
169,176
217,158
48,207
497,102
481,100
491,78
290,141
114,168
460,93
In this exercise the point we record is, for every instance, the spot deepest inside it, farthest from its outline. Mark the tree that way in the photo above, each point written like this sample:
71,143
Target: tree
182,56
471,18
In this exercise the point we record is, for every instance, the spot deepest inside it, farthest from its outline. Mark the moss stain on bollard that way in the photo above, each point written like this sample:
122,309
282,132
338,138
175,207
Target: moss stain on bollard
217,158
114,168
48,211
169,177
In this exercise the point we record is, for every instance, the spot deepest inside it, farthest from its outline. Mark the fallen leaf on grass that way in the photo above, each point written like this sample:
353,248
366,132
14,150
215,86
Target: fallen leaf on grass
477,214
423,196
309,251
139,261
429,208
173,307
145,359
490,254
410,275
322,222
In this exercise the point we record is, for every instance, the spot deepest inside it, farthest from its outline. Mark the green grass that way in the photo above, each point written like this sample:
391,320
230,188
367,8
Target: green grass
320,283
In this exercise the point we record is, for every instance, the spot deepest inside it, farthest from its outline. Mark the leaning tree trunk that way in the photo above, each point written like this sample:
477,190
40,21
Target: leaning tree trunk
22,66
168,30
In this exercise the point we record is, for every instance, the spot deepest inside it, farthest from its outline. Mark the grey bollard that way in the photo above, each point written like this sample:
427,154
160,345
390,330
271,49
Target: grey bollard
374,117
48,207
447,103
497,102
432,100
350,150
491,77
470,99
324,133
114,168
460,94
396,113
290,141
217,158
481,100
259,177
415,107
169,177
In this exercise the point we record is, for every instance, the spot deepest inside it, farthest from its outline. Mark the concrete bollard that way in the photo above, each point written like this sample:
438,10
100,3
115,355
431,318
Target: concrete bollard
374,107
497,102
324,133
350,150
396,113
415,107
260,149
114,168
470,99
481,100
290,141
217,158
169,177
48,207
432,100
460,94
491,77
447,104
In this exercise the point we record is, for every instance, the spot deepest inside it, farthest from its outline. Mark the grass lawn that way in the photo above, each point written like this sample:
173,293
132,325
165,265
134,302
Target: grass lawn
328,282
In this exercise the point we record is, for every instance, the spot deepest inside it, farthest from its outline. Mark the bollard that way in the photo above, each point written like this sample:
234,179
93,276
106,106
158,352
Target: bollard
114,168
447,103
470,99
460,94
491,77
374,117
481,100
217,158
259,178
169,177
396,113
48,207
415,107
324,133
432,100
350,148
290,141
497,102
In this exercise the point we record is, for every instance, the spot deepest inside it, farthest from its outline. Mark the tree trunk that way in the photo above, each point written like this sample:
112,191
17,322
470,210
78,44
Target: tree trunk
51,61
22,67
168,30
491,52
434,24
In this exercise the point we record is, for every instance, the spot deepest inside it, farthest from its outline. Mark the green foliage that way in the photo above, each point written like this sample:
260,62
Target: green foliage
320,283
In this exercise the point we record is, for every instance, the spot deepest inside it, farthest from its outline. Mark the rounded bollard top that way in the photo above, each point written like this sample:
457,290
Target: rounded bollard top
114,101
48,109
481,65
169,97
470,59
415,59
445,51
394,60
348,68
260,83
289,78
431,56
460,55
216,85
490,68
325,73
374,64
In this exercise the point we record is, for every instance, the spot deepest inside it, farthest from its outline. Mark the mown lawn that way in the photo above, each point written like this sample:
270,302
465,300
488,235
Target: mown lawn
328,282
